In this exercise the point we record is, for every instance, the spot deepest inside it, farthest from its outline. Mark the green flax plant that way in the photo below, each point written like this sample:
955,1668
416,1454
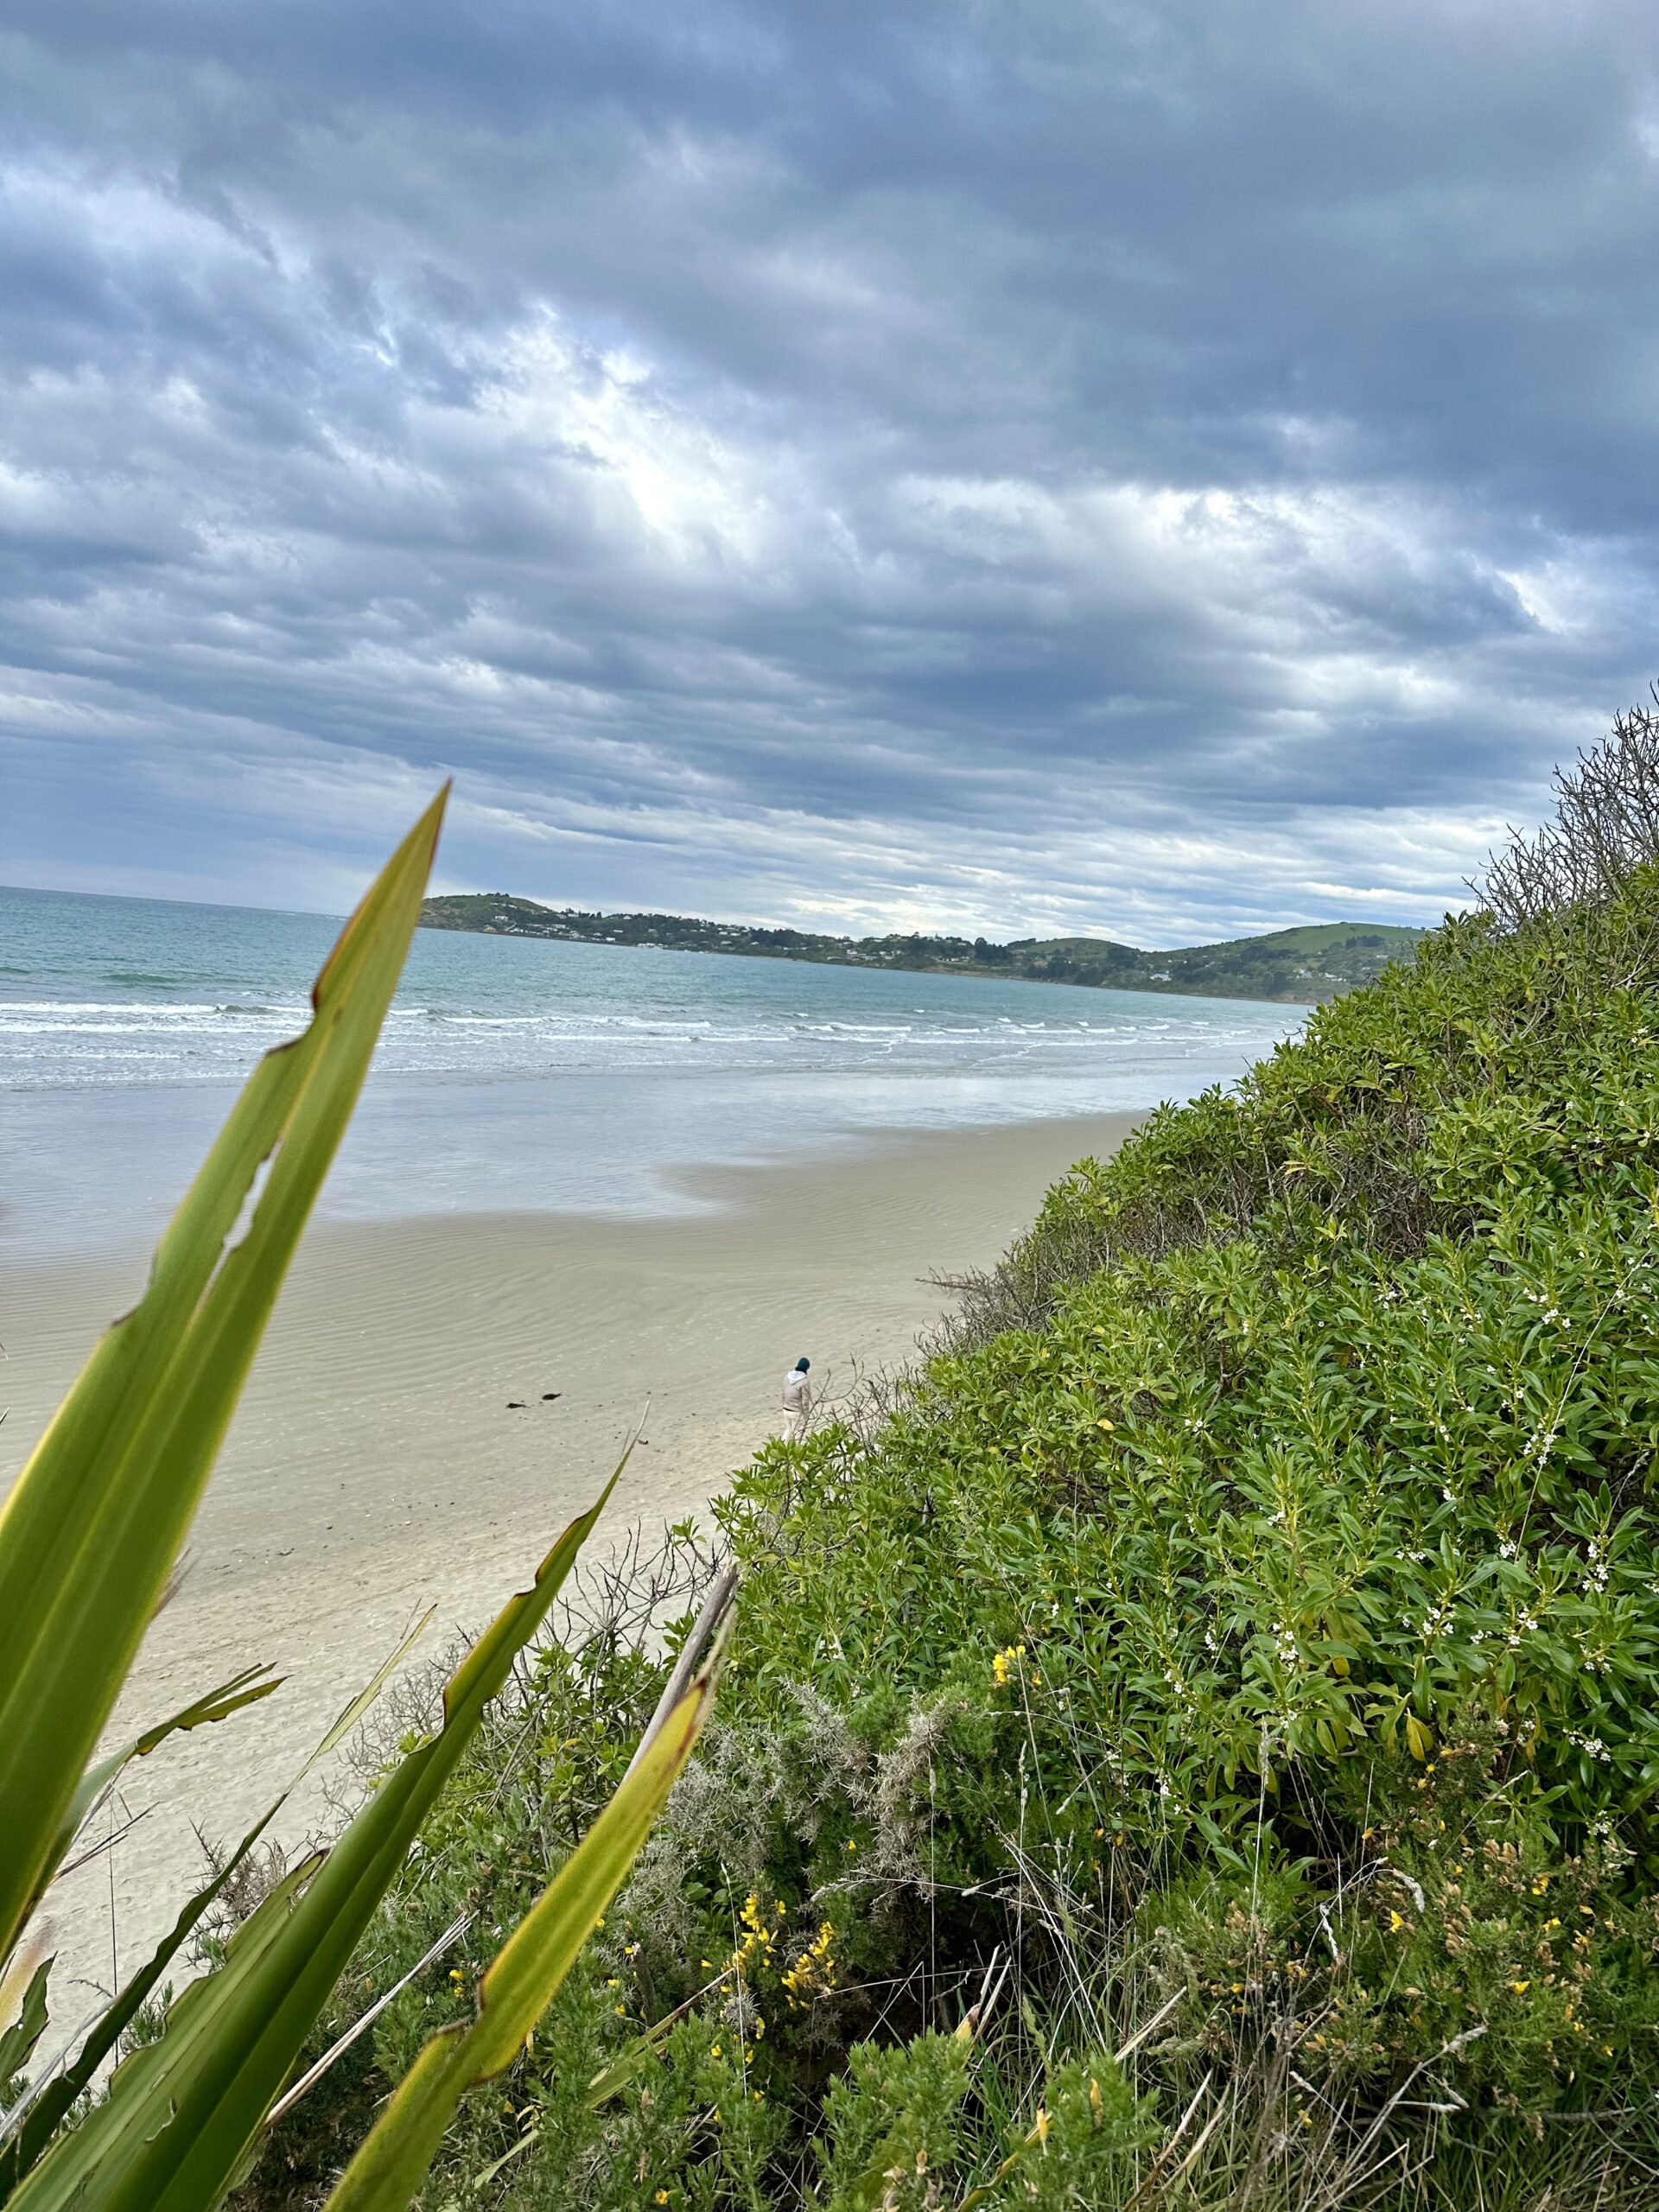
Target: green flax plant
88,1539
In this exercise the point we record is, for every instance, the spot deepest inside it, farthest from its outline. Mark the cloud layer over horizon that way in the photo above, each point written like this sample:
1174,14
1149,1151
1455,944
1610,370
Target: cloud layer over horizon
1152,469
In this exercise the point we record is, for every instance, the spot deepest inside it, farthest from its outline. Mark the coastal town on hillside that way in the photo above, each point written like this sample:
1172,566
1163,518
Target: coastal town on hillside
1299,966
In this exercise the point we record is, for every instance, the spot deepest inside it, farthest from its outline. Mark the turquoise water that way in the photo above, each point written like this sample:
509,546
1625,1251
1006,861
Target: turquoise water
517,1073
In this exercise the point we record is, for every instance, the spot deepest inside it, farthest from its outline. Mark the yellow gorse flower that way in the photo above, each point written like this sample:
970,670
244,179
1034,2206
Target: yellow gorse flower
754,1945
813,1974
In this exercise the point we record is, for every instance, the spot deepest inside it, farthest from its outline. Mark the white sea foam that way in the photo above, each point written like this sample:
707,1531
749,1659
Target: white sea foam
593,1072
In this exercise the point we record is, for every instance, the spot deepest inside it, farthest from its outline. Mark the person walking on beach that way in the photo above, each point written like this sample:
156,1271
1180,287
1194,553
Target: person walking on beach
797,1397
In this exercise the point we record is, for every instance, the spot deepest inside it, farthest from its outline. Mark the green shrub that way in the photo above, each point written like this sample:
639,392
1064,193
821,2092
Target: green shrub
891,2125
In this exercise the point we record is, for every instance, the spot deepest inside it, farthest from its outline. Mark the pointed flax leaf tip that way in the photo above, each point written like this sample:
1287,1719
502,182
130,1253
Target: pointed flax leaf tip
245,1688
96,1520
354,1711
21,2034
484,1669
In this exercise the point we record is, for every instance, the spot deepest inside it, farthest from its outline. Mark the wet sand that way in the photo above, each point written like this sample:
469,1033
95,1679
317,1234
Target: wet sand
375,1468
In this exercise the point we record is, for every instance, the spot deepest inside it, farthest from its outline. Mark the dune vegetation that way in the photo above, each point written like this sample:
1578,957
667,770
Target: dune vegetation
1191,1742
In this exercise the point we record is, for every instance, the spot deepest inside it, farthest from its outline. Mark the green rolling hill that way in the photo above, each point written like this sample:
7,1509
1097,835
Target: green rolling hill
1298,966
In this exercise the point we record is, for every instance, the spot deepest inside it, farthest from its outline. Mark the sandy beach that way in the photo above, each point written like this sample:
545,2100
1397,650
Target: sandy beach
375,1468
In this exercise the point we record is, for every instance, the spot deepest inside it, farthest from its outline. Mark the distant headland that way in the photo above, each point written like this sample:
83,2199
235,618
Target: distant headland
1299,966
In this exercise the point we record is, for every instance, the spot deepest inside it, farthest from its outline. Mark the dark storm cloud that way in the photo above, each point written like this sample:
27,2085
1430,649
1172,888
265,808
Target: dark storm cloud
1150,468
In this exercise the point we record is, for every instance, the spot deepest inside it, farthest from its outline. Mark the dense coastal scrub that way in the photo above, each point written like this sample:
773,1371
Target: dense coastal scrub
1194,1742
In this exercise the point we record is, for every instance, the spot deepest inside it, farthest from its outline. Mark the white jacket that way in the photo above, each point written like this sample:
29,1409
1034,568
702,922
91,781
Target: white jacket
798,1392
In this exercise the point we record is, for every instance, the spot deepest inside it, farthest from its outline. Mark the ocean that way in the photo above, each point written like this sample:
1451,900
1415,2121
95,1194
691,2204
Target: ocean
515,1073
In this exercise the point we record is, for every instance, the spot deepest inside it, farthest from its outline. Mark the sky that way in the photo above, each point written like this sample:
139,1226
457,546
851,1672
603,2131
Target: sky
1147,467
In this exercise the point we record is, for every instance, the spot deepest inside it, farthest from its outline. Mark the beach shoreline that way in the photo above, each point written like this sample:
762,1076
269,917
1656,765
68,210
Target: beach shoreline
397,1447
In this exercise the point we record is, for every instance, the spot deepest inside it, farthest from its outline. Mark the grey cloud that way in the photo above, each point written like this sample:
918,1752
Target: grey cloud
1140,468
